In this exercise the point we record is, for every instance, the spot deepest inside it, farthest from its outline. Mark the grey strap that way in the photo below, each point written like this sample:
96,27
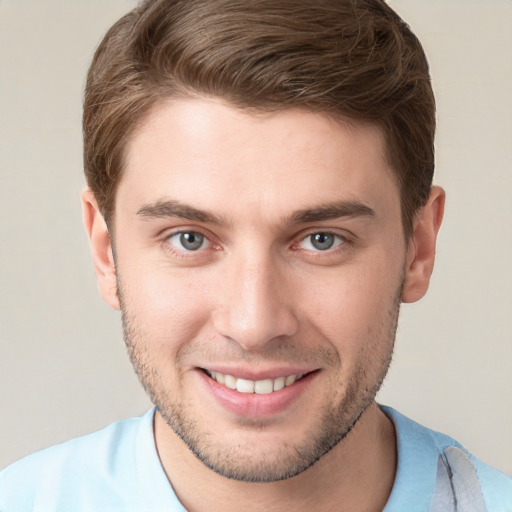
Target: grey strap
457,486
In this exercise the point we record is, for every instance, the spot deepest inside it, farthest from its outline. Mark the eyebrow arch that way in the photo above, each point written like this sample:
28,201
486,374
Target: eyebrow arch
172,208
332,211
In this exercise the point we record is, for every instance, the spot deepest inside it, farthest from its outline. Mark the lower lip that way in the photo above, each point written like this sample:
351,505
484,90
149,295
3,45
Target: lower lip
253,405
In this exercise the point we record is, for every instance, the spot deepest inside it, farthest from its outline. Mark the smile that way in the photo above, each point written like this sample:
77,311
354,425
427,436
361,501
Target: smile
260,387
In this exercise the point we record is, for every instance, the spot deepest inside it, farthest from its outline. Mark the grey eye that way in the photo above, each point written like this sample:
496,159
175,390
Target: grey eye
188,240
322,241
191,241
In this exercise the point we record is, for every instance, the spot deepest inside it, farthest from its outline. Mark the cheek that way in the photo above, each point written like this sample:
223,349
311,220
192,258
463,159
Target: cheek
355,306
170,308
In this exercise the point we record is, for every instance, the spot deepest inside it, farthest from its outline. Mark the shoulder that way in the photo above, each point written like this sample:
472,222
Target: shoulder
496,486
58,473
442,463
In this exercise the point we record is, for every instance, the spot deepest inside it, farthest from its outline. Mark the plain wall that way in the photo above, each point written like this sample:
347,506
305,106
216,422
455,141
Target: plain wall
63,367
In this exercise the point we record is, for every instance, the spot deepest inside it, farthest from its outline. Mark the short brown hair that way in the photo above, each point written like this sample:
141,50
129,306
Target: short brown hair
348,58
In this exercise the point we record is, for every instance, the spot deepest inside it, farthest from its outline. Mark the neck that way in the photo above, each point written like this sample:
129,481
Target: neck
357,474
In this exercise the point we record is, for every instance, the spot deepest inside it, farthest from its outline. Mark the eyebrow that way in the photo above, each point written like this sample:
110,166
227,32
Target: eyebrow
174,208
330,211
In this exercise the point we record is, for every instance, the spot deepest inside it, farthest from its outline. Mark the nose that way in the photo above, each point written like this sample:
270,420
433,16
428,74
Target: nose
255,303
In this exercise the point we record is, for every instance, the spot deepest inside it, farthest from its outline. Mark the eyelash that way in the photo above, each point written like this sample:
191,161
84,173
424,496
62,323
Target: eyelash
340,243
336,242
183,252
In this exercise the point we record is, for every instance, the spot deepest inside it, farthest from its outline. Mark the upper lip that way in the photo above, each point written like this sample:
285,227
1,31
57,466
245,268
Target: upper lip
259,374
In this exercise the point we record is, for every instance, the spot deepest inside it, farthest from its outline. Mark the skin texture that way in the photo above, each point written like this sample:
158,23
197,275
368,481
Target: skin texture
256,298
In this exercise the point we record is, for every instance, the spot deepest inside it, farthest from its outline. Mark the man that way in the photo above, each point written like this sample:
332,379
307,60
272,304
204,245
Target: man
259,204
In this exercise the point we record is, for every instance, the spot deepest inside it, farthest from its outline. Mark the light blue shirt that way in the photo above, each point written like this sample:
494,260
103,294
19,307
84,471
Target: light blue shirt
118,469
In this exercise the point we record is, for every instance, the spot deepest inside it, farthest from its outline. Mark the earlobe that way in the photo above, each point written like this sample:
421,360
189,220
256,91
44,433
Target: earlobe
101,248
422,247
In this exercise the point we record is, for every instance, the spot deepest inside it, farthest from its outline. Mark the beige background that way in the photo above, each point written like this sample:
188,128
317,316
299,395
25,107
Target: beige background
63,370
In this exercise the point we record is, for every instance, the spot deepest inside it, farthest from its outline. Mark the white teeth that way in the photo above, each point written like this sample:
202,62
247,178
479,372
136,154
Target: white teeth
229,381
290,380
279,383
245,386
261,387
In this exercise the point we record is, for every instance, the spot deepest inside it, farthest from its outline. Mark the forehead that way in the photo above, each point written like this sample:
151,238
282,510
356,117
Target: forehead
209,154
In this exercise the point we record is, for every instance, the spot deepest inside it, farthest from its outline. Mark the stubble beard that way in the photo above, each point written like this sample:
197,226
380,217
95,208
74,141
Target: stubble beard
238,460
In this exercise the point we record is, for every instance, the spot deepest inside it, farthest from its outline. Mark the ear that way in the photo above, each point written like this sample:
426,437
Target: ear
421,249
101,248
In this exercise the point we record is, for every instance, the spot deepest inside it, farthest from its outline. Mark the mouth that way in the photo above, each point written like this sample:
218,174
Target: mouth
260,387
267,394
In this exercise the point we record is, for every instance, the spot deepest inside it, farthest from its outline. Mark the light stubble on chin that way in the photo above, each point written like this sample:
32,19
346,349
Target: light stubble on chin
248,461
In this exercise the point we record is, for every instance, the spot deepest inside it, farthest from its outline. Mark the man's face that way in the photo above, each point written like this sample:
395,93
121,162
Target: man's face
266,253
